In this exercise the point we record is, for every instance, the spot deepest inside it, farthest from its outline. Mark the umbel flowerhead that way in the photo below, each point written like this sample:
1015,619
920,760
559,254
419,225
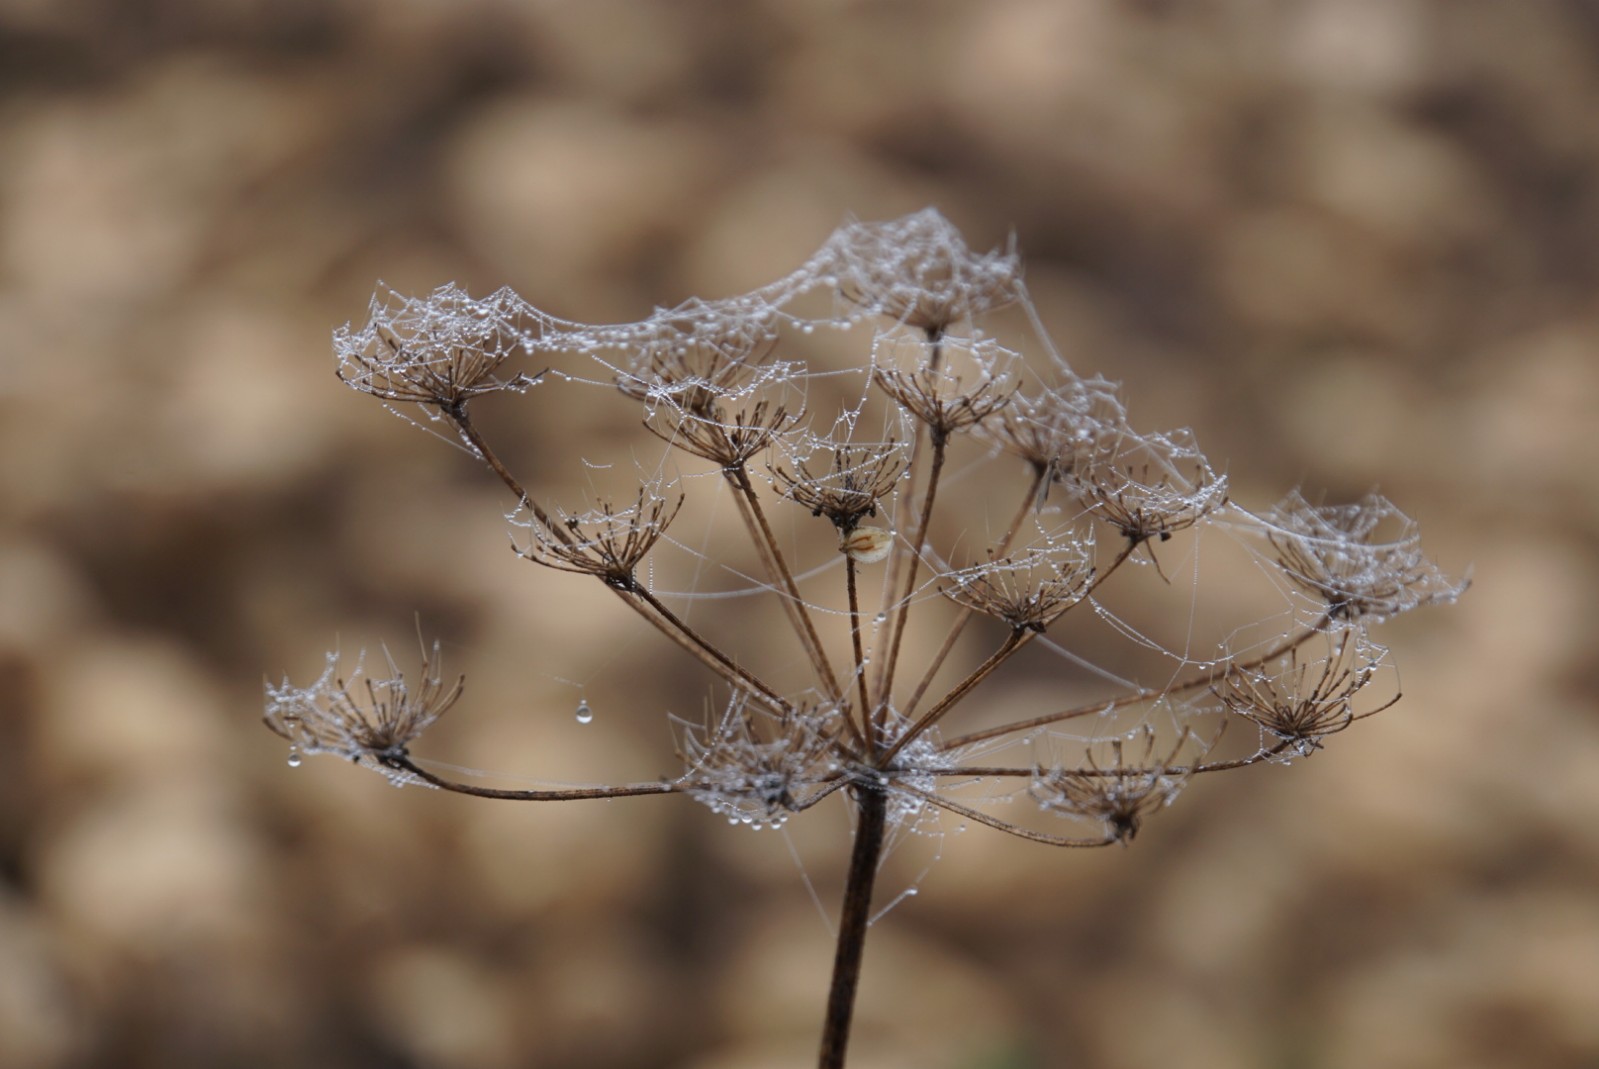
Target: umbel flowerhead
927,515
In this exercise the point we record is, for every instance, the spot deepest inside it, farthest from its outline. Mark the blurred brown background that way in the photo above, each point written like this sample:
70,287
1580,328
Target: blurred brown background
1351,242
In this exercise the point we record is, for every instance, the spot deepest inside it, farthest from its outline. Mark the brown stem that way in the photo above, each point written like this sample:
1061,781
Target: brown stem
403,763
860,657
744,677
984,772
663,619
1003,825
772,552
468,430
1018,638
966,611
896,559
871,812
885,678
1137,696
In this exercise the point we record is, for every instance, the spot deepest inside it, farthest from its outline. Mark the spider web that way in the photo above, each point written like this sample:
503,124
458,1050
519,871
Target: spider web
841,356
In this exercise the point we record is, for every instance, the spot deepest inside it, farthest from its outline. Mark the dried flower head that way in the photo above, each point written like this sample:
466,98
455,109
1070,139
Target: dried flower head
850,487
966,386
1058,428
1028,592
759,771
442,349
692,357
364,716
1300,702
919,272
729,439
1148,487
605,541
1118,794
1363,560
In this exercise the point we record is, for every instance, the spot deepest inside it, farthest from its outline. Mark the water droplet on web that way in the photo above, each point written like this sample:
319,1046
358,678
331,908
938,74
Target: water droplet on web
585,714
295,760
880,618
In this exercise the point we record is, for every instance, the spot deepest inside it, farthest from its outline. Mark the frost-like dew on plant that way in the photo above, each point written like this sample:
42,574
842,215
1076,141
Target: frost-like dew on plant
899,529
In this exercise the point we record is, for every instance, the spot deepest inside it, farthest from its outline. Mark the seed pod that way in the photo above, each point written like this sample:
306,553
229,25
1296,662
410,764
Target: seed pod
866,545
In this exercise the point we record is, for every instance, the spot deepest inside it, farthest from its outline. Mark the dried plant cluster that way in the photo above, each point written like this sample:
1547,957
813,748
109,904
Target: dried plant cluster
879,721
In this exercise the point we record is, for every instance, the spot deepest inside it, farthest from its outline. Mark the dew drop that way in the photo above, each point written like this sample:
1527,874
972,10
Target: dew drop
585,714
295,760
880,618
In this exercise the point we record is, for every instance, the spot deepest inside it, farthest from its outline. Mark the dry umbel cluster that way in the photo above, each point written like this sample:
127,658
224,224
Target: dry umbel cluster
1078,496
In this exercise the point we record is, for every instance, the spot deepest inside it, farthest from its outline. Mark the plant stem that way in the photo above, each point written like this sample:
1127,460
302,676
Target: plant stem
1014,641
965,615
885,686
728,668
871,810
1145,694
867,744
772,553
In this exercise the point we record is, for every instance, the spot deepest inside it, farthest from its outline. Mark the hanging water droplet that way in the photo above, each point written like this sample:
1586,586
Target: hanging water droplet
880,618
295,760
584,713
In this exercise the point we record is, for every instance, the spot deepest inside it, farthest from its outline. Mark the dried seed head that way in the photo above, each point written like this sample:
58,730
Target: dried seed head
443,349
918,271
1059,428
1119,794
364,716
1301,702
605,541
1363,560
856,479
970,382
691,357
759,771
1029,592
728,430
1148,487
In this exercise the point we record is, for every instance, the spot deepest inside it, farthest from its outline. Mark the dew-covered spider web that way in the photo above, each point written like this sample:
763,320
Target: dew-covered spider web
909,546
